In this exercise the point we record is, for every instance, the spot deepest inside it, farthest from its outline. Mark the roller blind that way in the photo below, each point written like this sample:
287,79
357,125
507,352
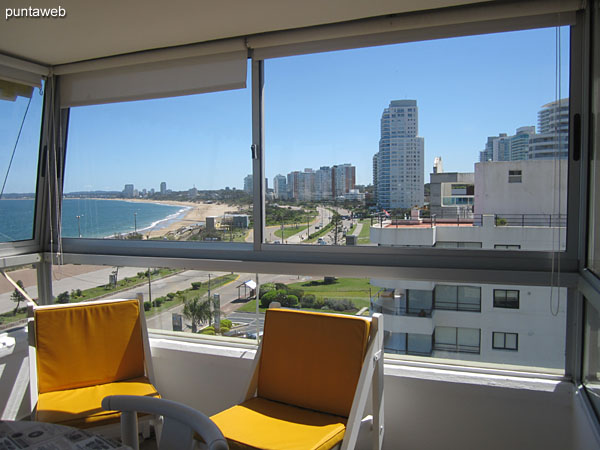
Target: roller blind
16,71
482,18
167,78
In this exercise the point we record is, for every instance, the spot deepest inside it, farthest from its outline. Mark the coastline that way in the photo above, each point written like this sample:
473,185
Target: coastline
194,213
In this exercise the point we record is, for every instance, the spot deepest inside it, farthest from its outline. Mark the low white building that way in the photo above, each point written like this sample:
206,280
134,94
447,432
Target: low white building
504,324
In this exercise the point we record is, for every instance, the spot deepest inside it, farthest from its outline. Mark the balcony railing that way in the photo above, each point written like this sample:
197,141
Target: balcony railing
457,306
401,310
457,348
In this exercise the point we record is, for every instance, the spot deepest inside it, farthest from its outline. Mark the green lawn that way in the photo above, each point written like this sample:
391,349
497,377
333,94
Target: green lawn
355,289
364,236
290,230
340,288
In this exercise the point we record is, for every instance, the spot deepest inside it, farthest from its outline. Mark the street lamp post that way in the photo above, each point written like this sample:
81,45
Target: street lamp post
79,224
135,222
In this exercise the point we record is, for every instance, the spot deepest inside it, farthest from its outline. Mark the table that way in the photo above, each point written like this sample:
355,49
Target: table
48,436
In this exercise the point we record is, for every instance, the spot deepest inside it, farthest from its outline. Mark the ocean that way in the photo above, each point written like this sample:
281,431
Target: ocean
98,218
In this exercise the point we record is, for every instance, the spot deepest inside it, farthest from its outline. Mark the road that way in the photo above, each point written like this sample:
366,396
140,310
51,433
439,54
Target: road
79,281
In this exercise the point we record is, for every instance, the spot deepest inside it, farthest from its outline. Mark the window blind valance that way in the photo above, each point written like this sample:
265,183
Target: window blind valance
156,79
13,70
480,18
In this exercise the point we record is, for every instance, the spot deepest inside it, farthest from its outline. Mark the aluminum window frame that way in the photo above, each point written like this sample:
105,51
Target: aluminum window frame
428,264
504,334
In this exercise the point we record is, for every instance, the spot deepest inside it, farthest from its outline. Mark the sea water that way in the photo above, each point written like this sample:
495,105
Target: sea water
97,218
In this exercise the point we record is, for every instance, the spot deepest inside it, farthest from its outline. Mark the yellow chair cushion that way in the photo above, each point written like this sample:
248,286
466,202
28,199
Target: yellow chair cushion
81,407
87,345
312,360
263,424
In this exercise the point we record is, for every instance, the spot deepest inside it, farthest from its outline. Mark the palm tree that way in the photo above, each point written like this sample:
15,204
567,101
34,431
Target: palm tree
197,311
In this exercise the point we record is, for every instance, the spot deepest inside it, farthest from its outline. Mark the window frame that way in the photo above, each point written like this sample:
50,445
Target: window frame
505,303
427,264
504,334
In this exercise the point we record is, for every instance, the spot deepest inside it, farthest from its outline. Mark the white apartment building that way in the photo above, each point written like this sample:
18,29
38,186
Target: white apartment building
503,324
552,141
399,162
498,324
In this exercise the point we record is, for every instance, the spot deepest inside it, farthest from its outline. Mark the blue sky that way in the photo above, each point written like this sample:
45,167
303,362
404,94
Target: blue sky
320,109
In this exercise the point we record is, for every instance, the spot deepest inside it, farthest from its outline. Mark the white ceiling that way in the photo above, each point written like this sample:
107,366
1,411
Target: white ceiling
99,28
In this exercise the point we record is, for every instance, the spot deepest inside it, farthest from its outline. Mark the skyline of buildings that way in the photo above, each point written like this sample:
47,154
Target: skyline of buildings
325,183
398,175
550,142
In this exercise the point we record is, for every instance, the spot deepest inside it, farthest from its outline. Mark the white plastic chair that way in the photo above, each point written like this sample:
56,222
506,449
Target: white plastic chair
180,422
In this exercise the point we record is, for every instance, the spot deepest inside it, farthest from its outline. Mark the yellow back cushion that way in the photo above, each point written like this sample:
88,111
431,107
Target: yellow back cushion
85,345
312,360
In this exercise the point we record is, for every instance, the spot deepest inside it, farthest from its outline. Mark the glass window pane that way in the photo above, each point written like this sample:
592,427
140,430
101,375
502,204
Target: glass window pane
419,344
323,110
468,337
445,335
445,296
20,125
14,366
511,341
191,301
469,298
419,301
498,340
169,169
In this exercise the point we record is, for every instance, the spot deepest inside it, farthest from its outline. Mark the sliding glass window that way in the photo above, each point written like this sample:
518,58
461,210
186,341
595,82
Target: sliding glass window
20,125
460,141
171,169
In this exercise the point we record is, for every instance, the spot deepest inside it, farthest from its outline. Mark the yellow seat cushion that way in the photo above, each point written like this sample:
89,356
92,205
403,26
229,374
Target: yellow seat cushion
263,424
81,407
88,344
312,360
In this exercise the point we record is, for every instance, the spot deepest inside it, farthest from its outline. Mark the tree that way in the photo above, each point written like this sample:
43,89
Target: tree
16,296
63,297
197,311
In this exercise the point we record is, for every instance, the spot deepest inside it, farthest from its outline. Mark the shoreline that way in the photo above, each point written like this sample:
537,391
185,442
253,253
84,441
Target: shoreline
191,213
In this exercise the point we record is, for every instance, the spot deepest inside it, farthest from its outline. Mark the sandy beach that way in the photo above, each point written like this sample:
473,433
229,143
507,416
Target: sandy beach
197,212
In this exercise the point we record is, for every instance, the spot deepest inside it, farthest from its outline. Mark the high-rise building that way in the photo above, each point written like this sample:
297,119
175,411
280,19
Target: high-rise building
280,186
163,188
248,184
343,179
323,183
128,190
399,178
552,141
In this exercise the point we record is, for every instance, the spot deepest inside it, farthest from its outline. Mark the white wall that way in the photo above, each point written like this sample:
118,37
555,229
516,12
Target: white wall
538,193
424,408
